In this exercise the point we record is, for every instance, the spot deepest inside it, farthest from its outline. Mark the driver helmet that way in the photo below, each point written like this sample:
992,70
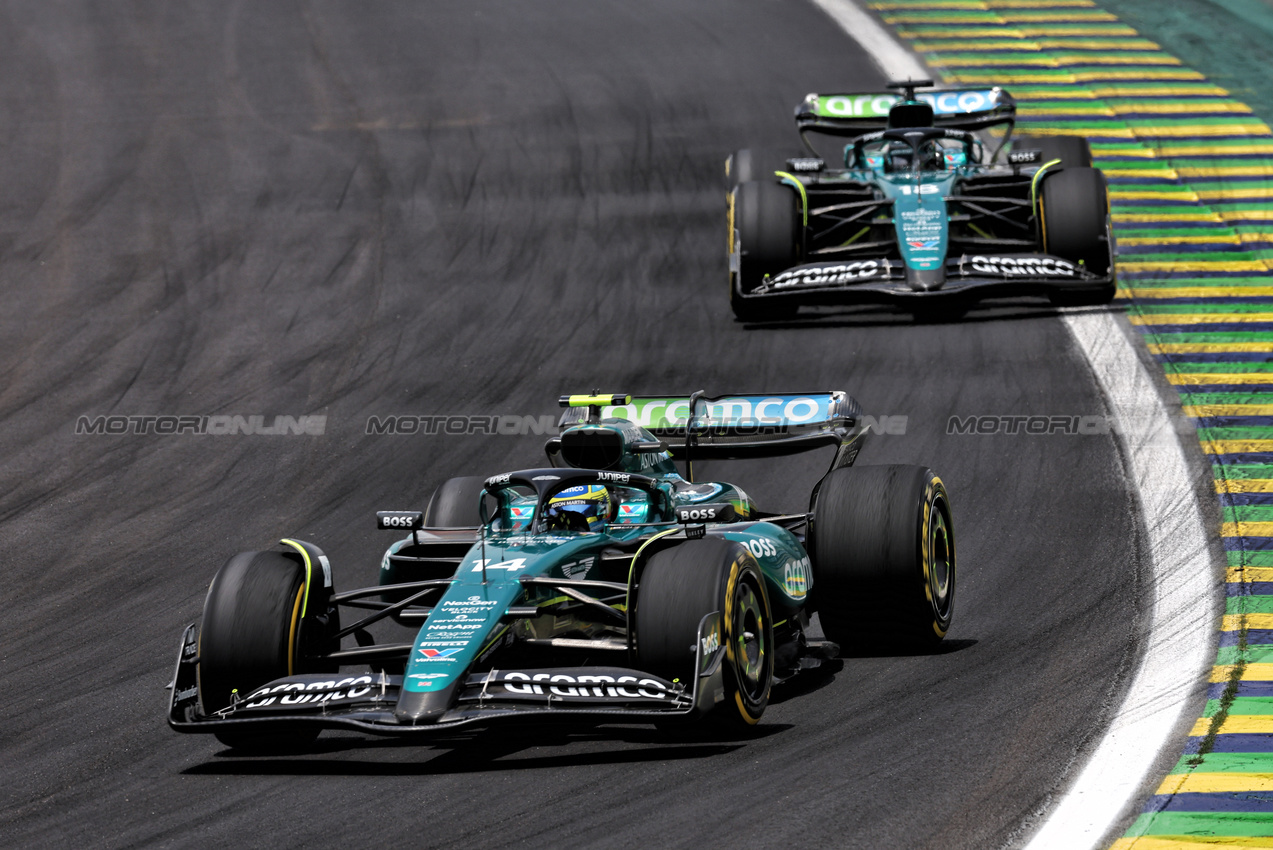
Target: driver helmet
582,508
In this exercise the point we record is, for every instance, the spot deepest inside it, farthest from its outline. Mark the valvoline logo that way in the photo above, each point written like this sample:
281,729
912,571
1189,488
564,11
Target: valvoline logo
435,654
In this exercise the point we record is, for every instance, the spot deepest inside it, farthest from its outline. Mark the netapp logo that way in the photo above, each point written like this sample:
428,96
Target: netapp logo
1023,266
829,275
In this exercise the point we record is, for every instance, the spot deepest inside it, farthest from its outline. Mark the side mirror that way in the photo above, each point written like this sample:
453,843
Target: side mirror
399,520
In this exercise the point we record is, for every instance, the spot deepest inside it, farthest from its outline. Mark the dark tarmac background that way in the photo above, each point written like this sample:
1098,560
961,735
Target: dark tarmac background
355,209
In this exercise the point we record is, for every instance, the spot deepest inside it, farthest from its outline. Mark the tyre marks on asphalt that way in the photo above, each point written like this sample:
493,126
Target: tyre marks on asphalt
1191,191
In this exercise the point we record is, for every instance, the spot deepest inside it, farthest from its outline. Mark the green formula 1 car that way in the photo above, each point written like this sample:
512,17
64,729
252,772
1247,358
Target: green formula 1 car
606,585
915,211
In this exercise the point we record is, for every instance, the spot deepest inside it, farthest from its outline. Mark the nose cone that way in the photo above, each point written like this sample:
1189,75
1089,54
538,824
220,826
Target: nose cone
421,707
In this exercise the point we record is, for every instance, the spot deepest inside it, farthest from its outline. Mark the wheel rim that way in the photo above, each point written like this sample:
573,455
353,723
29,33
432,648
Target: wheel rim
940,567
750,648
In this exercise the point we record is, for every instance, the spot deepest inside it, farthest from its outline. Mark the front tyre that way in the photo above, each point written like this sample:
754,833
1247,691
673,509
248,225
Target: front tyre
883,551
1074,221
680,586
250,635
766,221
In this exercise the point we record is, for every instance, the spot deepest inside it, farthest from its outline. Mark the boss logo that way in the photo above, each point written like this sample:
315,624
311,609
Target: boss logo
805,164
1025,157
401,520
706,513
762,548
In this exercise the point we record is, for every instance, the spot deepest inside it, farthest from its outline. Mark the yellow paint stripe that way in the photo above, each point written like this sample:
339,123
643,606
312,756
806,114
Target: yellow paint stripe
1243,575
933,30
1235,194
1197,291
1194,266
1206,347
1248,215
1190,842
1139,194
1044,111
1245,485
1252,673
1243,724
1163,173
1227,171
1217,239
1144,91
1209,783
1151,218
1258,129
992,43
1236,622
1233,447
1243,528
1192,106
1200,319
1203,410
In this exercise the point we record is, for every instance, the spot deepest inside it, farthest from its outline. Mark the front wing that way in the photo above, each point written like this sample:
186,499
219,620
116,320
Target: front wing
886,281
366,701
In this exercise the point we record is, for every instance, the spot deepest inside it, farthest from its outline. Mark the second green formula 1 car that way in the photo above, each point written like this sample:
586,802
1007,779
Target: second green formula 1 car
915,210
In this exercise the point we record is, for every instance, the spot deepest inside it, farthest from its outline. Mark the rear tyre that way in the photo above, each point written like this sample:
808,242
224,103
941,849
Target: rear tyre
1074,220
454,503
1073,151
250,635
883,551
680,586
767,221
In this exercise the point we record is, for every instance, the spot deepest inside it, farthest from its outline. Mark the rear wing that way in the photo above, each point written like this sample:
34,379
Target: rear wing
700,427
853,114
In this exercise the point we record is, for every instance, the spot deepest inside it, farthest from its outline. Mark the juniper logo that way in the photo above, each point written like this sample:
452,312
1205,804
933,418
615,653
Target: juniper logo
219,425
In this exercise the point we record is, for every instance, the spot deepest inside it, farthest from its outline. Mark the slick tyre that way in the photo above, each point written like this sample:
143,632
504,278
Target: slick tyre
1074,222
1073,151
680,586
250,635
749,164
454,503
883,552
766,220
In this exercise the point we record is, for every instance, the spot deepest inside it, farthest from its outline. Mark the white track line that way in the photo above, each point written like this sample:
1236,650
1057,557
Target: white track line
1184,607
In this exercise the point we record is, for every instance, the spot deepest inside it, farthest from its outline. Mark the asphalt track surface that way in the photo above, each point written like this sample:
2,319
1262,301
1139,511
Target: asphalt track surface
353,209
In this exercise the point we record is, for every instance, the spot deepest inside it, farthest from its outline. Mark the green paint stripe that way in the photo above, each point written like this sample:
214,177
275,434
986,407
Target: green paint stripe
1251,559
1250,605
1257,654
1190,826
1228,763
1247,472
1246,706
1215,336
1248,513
